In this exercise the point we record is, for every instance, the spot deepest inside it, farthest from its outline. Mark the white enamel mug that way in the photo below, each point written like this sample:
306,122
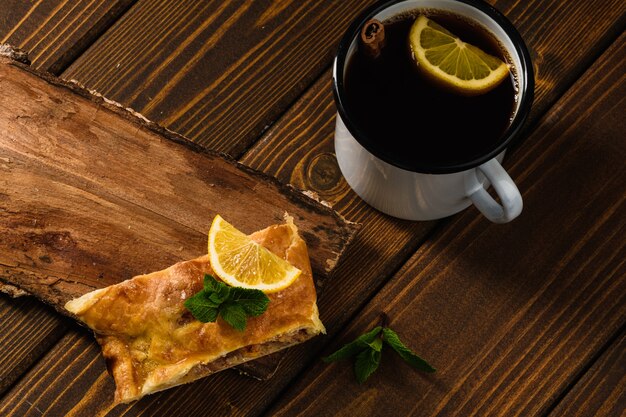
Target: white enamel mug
435,192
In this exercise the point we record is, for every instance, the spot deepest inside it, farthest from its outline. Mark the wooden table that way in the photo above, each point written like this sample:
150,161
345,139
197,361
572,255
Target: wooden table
521,319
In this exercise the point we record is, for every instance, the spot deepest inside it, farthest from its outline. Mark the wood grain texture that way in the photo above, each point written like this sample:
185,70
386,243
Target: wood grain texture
84,202
34,329
221,73
601,392
299,150
217,72
71,380
549,29
56,32
509,314
68,361
72,222
229,394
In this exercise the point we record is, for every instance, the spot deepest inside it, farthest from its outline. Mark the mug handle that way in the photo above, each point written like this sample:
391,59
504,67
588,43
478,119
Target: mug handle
504,186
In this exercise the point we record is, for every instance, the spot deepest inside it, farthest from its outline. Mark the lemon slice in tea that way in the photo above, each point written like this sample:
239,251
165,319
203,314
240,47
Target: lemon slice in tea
451,63
241,262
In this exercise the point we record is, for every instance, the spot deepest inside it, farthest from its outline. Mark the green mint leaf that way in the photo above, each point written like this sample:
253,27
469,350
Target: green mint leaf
202,307
254,302
370,336
357,345
210,283
234,314
367,350
377,344
392,339
219,292
366,363
233,304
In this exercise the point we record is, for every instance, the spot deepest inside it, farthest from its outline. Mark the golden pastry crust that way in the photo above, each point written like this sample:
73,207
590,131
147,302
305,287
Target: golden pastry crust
151,342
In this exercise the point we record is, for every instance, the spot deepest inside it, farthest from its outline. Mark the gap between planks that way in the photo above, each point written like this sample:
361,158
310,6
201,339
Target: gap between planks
613,341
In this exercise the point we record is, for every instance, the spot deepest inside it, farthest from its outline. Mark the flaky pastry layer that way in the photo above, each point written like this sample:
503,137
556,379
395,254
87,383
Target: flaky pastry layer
151,342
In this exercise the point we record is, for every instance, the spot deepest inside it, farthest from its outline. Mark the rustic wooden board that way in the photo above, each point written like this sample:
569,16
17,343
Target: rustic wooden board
509,314
217,72
601,392
56,32
93,195
212,388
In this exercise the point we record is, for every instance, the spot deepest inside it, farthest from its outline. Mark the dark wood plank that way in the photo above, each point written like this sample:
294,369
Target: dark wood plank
227,392
71,380
73,222
299,150
217,72
601,392
67,361
549,30
28,331
509,314
222,84
56,32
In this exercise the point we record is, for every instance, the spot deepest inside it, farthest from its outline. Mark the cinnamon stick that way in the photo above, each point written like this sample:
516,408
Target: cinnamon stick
373,38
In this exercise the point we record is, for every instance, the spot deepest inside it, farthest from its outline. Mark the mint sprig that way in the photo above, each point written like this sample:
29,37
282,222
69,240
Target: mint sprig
367,350
233,304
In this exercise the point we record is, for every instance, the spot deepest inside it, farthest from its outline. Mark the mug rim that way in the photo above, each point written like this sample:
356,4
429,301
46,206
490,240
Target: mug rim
526,91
